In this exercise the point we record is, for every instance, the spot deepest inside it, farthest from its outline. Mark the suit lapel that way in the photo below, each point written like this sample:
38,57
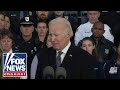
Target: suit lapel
67,58
52,58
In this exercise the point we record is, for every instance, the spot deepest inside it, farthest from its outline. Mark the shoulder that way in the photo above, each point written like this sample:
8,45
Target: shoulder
109,42
82,26
85,24
80,52
83,57
106,26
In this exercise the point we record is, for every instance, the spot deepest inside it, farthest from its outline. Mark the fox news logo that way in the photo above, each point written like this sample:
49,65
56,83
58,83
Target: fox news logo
14,64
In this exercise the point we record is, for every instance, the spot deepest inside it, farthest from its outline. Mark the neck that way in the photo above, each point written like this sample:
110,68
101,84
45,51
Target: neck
92,22
6,51
41,38
97,38
27,38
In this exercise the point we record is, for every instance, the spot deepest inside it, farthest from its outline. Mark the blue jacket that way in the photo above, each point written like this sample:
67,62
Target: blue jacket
109,75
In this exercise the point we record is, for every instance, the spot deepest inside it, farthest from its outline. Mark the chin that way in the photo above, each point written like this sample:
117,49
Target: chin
56,48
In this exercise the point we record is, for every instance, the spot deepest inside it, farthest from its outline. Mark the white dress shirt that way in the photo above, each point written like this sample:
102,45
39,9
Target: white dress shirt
11,51
64,51
84,30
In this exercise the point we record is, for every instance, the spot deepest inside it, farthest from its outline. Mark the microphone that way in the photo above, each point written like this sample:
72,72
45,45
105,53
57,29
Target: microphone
48,73
60,73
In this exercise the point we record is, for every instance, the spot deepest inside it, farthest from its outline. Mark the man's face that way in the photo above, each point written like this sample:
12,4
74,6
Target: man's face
59,37
59,13
27,30
42,29
42,14
2,21
93,16
98,30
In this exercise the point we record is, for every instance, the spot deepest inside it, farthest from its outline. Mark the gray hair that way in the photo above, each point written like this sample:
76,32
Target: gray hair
64,21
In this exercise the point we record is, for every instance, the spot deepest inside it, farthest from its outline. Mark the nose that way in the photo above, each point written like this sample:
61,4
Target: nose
5,42
86,48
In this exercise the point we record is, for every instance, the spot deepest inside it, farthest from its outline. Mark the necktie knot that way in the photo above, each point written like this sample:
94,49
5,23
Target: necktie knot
60,53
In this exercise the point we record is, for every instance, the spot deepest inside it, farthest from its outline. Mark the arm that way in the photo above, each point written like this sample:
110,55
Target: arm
108,34
33,69
78,35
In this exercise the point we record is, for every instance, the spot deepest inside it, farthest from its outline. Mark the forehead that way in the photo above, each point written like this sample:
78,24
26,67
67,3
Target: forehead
6,17
58,11
99,25
90,12
5,37
42,11
87,41
42,23
1,16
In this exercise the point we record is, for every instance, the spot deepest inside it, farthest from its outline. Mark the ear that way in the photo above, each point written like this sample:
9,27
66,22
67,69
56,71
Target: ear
98,14
67,35
94,47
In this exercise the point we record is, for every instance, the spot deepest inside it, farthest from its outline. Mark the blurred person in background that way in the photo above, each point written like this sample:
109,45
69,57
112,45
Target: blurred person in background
84,30
88,45
112,67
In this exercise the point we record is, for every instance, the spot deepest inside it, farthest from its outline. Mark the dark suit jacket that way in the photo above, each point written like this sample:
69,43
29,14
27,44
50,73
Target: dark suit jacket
78,63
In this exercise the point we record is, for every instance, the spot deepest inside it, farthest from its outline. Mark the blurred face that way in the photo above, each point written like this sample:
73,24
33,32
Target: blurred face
42,29
118,50
42,14
98,30
88,46
49,44
2,21
6,44
27,30
7,22
59,13
93,16
59,36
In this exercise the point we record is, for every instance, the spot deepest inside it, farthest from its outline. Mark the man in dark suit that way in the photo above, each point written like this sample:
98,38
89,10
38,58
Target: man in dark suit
78,63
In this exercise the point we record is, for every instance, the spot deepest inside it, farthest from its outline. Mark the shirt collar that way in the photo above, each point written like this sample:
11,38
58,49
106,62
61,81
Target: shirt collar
66,48
10,51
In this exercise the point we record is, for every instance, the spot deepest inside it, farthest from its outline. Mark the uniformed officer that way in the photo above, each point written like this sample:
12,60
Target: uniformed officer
27,43
84,30
105,48
112,68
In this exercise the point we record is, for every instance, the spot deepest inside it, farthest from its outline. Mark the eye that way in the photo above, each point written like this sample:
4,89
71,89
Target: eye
56,35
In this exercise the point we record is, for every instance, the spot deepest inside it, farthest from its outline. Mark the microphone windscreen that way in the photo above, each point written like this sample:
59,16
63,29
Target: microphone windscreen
60,73
48,73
